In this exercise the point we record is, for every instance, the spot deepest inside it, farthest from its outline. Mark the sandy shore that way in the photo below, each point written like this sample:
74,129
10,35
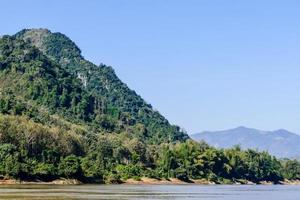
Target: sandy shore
174,181
55,182
149,181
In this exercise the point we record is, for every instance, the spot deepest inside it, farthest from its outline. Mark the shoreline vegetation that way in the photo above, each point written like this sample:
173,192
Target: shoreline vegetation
149,181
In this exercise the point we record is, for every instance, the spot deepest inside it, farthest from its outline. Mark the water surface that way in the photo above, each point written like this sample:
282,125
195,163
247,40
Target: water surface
139,192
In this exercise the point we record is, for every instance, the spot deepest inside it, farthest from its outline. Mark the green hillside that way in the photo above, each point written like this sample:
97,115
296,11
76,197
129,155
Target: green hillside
62,116
110,96
68,106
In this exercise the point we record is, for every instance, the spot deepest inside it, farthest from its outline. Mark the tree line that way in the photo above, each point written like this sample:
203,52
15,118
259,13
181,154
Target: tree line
33,151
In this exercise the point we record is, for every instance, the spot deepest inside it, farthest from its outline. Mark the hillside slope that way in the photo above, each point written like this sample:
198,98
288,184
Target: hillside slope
110,95
56,108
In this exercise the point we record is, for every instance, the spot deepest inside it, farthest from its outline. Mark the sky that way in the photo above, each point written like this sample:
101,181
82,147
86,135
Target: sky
203,64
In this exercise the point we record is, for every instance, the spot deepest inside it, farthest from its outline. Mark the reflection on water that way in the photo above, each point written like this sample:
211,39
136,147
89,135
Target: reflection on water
122,192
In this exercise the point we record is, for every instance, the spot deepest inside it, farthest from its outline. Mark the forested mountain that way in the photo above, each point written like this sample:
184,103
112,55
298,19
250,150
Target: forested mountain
63,116
280,143
110,102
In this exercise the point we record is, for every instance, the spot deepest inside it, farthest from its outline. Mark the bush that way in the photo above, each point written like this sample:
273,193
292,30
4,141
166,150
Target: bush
128,171
45,171
69,167
181,174
90,168
113,178
9,160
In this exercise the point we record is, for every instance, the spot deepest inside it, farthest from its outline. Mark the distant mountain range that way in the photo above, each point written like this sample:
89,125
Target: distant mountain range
280,143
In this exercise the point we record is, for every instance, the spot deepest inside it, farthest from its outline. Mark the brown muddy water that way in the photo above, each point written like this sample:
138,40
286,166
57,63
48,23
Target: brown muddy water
138,192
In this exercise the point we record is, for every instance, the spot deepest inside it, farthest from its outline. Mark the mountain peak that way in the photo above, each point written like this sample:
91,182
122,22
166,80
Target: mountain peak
36,35
38,30
282,130
55,45
283,133
242,128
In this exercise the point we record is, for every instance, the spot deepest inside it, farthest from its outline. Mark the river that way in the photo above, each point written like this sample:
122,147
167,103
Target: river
139,192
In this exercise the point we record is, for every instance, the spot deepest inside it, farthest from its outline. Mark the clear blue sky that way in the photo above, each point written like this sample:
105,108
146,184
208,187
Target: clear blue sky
205,64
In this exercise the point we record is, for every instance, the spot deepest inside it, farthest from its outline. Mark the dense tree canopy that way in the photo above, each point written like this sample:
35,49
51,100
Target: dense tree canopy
30,150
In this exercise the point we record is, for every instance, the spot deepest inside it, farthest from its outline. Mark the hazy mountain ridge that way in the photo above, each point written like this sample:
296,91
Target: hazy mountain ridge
280,143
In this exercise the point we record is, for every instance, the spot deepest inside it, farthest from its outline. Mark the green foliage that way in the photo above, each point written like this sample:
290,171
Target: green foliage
69,167
32,151
45,171
291,169
193,160
113,178
128,171
91,168
114,106
9,160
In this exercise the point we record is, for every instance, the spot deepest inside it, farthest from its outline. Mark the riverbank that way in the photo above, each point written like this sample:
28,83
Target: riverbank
171,181
37,182
151,181
175,181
